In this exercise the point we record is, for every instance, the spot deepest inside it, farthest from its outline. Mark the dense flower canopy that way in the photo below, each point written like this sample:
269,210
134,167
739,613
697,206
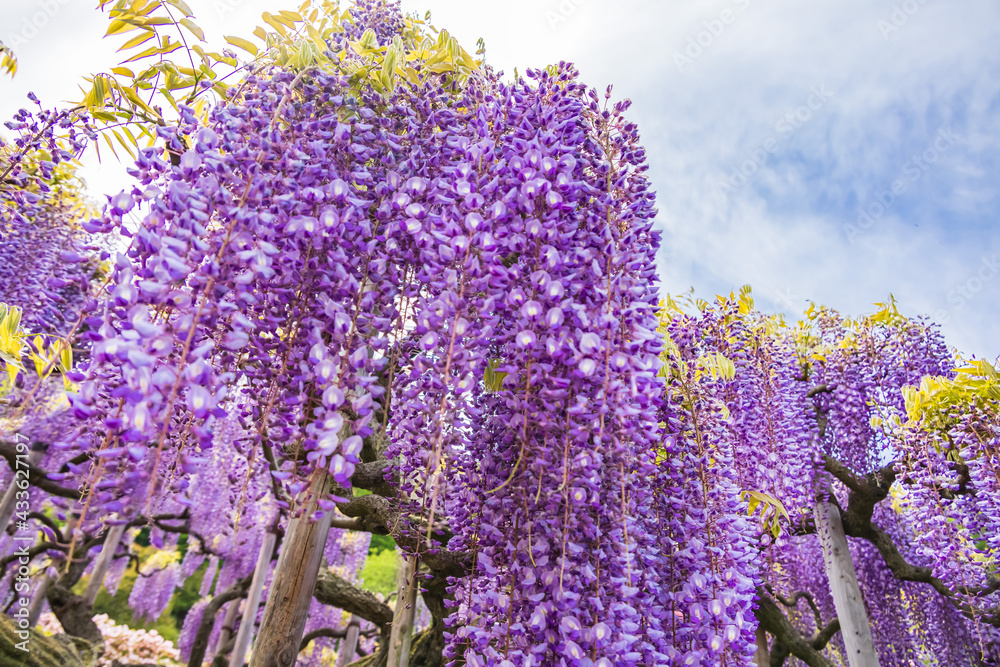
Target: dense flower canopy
442,288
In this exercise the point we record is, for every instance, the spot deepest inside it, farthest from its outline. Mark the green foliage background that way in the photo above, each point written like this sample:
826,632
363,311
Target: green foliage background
378,576
168,625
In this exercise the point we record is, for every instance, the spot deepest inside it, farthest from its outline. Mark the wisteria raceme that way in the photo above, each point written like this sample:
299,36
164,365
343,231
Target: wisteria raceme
572,417
190,627
152,590
49,260
708,593
950,456
209,577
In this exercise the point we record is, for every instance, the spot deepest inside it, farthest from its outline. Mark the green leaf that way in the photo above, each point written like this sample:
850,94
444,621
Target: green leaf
493,379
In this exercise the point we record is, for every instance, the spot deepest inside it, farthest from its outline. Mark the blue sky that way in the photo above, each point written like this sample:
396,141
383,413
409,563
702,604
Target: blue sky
771,127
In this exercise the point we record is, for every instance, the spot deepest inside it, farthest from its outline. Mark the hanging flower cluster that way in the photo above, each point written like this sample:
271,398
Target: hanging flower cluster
49,258
547,489
769,403
718,406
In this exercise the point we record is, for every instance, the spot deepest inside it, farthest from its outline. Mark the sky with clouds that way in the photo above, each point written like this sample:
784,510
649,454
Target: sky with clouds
827,151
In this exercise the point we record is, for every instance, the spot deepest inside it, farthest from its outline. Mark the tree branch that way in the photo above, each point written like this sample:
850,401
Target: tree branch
793,602
776,623
843,473
820,389
332,634
379,515
36,476
41,518
866,493
337,592
184,529
825,634
200,644
371,476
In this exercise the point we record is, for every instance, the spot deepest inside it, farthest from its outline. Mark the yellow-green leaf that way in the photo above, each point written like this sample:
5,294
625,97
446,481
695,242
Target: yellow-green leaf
122,25
369,40
195,30
273,21
95,98
181,5
493,379
66,357
151,51
241,43
107,140
8,62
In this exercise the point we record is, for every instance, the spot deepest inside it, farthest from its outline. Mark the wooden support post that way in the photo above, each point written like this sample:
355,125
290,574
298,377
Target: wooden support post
402,621
294,582
10,495
349,645
854,625
111,541
761,656
38,601
228,625
245,634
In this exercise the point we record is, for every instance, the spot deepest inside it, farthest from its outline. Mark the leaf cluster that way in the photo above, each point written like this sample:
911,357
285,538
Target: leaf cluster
8,61
47,354
167,63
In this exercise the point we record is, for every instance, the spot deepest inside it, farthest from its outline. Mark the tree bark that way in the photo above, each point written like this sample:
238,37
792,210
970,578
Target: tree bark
36,476
844,586
55,651
293,584
75,617
787,639
337,592
245,634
